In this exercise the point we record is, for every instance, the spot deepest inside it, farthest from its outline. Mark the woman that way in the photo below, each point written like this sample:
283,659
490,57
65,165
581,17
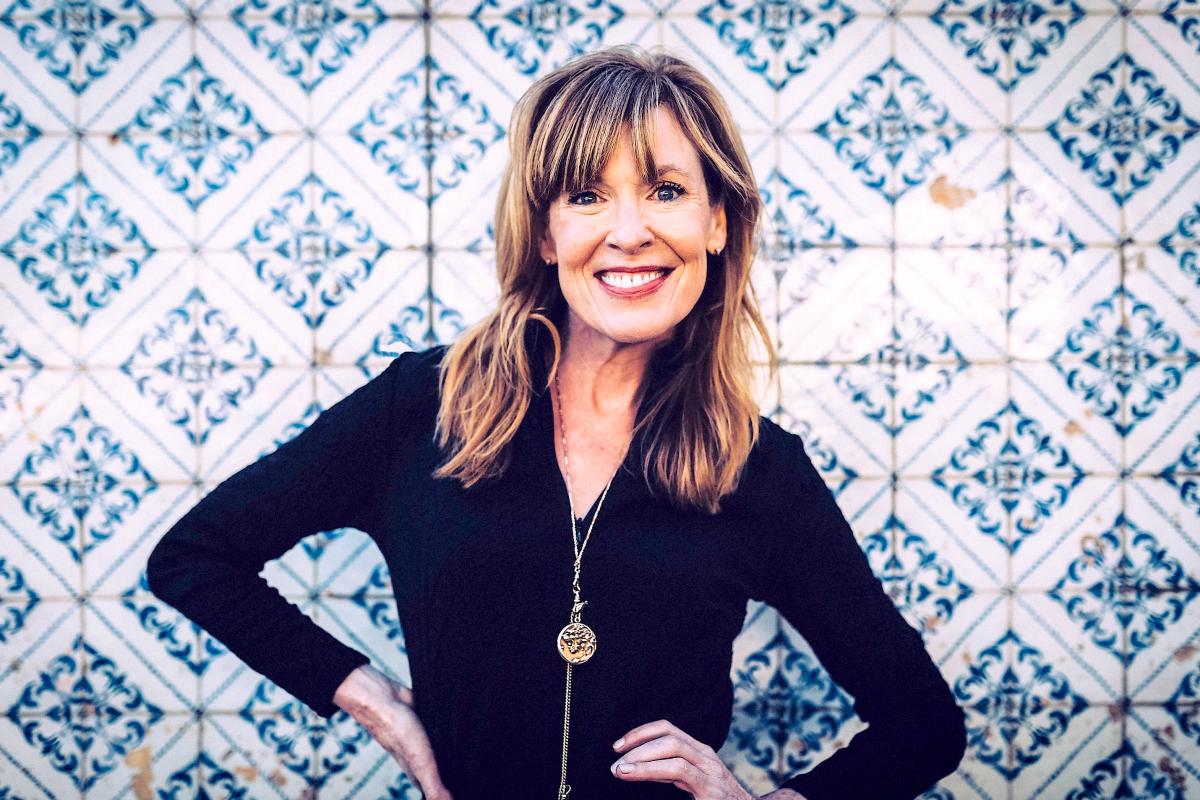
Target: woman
614,376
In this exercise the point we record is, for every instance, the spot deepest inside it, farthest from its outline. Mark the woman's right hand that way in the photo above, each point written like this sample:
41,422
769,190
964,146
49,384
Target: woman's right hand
385,708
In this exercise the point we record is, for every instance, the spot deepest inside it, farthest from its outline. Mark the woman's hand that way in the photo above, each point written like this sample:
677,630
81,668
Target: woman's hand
385,708
659,751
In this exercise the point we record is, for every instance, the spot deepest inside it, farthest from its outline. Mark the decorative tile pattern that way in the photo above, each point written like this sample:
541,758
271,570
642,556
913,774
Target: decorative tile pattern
82,708
1125,589
891,130
1007,40
980,256
194,133
81,485
78,249
310,40
777,39
197,365
1018,705
77,41
1123,128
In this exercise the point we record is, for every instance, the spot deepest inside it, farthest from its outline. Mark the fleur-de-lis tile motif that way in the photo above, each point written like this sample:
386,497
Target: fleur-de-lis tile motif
1183,243
1123,350
426,321
1185,15
777,39
1123,133
1126,773
541,34
1018,705
794,221
1184,474
892,130
82,708
375,597
920,582
281,725
193,134
309,40
197,366
1184,703
16,132
929,359
1026,476
78,249
81,484
17,599
183,639
440,135
995,34
785,701
18,368
312,249
202,777
77,41
1125,583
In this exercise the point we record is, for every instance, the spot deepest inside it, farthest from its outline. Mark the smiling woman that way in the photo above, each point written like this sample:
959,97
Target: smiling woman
613,377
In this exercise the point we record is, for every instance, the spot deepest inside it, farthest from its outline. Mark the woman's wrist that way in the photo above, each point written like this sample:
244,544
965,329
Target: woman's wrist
362,688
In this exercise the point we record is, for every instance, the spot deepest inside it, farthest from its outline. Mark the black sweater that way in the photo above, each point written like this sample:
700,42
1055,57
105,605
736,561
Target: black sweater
482,580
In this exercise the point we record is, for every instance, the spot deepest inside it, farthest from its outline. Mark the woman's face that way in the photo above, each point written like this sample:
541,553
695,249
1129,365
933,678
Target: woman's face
630,231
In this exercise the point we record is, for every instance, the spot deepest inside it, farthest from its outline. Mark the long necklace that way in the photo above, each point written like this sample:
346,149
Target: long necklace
576,641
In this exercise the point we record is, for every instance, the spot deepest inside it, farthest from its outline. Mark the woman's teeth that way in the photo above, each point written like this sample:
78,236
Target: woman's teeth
627,280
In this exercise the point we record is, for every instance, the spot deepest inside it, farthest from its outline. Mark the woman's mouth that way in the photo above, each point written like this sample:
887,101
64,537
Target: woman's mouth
632,284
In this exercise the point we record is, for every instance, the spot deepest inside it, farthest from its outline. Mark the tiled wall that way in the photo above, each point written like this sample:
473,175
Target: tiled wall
980,263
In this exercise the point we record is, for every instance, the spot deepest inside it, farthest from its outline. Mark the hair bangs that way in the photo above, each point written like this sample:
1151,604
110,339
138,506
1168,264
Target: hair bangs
579,129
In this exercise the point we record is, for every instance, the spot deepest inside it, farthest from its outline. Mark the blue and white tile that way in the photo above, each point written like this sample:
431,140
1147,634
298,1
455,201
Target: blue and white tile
751,98
1167,762
950,305
1062,304
750,674
961,568
1091,738
1089,47
463,290
370,628
943,409
43,101
1162,365
267,756
813,199
388,314
819,45
1082,422
946,76
815,406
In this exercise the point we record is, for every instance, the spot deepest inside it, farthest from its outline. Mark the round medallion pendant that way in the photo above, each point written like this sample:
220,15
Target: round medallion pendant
576,642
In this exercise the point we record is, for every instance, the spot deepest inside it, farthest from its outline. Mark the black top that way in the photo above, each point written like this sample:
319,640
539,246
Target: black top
482,580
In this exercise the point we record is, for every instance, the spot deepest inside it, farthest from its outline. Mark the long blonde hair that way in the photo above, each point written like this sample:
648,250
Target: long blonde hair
703,420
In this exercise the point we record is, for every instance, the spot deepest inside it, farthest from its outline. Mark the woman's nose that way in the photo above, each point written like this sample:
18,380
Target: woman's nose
629,231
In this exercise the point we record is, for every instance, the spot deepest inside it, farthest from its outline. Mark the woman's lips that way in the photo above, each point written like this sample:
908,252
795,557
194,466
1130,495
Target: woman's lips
636,291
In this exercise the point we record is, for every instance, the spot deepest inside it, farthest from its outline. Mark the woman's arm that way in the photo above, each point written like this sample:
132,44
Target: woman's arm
824,586
207,565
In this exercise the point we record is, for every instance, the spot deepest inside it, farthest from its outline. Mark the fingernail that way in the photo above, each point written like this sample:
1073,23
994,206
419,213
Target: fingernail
626,768
617,744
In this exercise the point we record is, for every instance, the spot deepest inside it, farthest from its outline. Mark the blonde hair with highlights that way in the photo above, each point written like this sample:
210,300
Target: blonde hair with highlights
703,420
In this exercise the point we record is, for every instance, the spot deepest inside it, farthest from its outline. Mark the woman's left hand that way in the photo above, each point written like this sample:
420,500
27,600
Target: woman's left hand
659,751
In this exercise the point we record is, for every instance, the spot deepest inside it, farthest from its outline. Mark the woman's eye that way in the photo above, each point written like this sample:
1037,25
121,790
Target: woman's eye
675,188
586,194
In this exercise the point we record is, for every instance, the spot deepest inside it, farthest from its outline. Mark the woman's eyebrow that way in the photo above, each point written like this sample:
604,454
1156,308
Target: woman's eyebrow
660,171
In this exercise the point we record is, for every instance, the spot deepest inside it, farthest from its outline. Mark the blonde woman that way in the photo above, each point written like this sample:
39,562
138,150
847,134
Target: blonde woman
577,498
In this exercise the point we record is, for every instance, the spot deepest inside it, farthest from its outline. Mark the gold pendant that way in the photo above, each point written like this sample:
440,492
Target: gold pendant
576,642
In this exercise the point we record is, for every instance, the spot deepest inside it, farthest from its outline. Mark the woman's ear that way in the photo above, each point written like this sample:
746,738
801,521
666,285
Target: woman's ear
716,229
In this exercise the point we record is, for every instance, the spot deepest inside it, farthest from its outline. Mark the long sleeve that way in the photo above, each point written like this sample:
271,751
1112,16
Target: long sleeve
207,564
823,585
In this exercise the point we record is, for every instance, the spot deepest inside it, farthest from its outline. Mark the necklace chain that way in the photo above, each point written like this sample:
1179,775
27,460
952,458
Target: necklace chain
563,788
